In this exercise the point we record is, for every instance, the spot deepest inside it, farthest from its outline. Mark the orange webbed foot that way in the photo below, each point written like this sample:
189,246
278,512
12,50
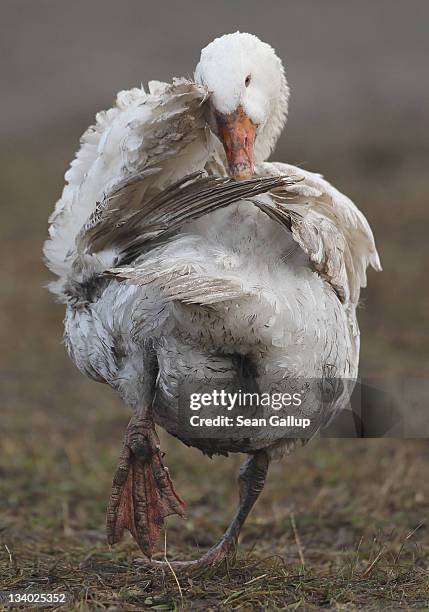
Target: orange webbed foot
143,494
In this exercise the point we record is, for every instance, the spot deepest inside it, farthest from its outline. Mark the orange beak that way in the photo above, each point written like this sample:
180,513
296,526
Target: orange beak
237,133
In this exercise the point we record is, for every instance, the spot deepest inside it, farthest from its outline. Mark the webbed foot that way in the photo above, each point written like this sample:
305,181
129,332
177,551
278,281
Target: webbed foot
142,494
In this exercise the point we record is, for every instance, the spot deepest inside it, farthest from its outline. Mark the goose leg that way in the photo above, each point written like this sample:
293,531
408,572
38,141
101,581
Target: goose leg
142,491
251,481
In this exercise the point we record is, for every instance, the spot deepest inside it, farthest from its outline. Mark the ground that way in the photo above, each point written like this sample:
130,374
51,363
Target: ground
341,523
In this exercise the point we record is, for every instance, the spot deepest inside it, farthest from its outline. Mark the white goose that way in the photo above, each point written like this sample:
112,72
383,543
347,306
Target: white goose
170,278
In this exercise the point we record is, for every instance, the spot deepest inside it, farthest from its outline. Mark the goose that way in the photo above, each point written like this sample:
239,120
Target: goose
186,260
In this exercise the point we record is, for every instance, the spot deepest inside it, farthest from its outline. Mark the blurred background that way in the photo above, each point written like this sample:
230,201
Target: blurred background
359,114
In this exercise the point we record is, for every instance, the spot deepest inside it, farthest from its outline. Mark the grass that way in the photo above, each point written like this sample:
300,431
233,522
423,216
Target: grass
330,530
341,524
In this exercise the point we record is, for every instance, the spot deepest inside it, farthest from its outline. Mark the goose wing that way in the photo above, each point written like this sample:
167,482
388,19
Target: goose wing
159,136
327,225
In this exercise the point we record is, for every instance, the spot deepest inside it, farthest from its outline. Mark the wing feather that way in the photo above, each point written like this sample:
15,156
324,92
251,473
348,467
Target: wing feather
129,229
148,135
327,225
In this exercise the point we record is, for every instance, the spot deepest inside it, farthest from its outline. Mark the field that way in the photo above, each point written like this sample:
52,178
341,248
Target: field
342,524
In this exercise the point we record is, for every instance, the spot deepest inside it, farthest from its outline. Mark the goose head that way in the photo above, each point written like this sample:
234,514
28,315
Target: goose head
248,98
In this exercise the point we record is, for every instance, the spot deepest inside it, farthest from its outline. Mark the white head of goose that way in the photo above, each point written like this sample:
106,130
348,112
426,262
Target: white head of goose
248,98
189,263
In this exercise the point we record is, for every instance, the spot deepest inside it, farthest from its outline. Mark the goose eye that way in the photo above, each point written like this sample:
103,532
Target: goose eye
247,80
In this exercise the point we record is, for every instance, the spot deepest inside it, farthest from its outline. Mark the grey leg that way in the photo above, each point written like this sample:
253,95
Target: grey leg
251,481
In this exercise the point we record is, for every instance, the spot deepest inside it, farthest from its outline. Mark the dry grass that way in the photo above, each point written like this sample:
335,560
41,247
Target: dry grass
341,524
359,510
